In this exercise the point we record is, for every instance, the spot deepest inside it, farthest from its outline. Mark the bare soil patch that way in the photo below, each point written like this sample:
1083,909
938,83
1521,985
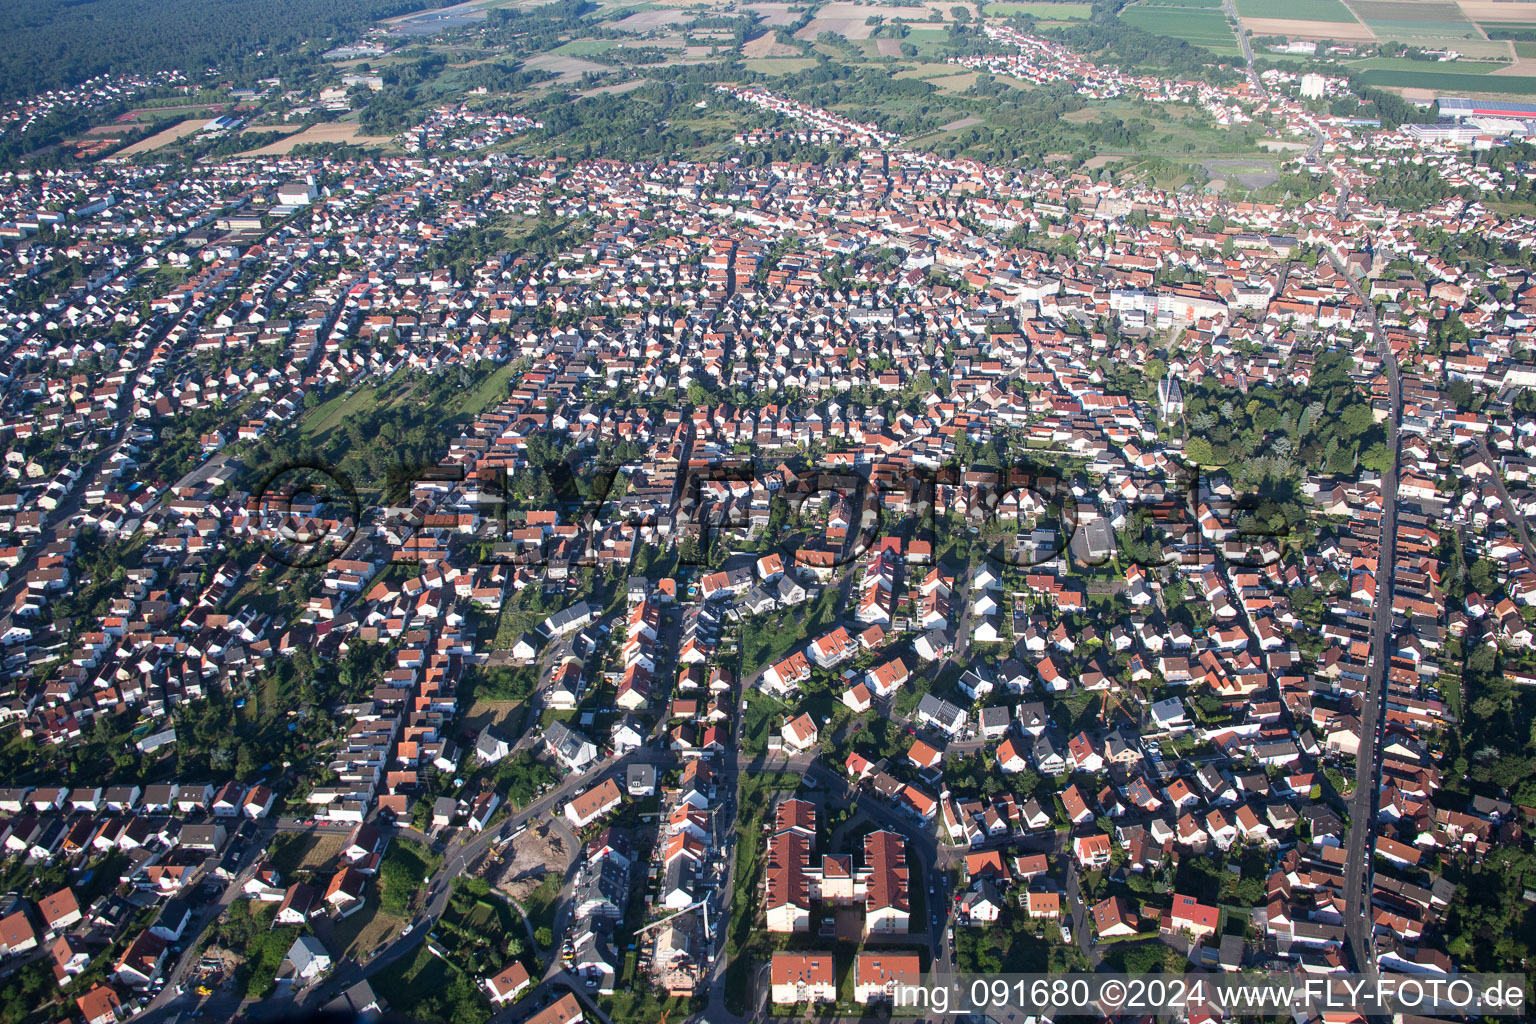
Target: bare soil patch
647,20
1486,10
772,15
568,68
160,140
538,851
1308,29
766,45
332,131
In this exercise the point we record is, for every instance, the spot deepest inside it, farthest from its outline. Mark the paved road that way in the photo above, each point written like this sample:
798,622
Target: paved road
1358,881
1242,37
1079,909
1514,516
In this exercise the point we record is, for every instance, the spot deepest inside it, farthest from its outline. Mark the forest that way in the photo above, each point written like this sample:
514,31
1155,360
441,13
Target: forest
57,43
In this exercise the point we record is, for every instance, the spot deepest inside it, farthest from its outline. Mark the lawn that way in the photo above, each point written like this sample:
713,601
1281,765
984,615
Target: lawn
767,638
429,988
1207,28
757,724
365,930
306,852
329,414
495,388
743,939
543,903
1295,10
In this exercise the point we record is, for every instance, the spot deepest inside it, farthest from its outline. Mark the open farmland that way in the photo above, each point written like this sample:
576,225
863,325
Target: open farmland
1299,10
160,140
766,45
1047,11
569,68
1423,67
1293,28
772,15
847,20
779,65
1453,83
1410,21
345,132
1198,26
644,21
1487,12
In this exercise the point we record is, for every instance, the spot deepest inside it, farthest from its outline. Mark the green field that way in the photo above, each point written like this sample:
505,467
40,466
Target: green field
1214,4
1040,10
1299,10
1512,85
1418,21
585,47
1423,31
1198,27
779,65
1427,67
323,418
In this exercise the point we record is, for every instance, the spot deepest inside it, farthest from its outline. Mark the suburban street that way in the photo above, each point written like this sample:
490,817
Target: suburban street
1362,815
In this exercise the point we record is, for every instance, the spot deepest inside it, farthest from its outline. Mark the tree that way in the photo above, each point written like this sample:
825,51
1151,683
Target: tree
1199,451
1377,458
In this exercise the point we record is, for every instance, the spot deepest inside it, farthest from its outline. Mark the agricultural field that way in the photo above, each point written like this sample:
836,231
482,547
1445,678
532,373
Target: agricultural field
766,45
1298,10
164,138
772,15
569,68
1453,83
1199,26
1047,11
779,65
1425,67
851,21
1409,22
345,132
585,47
644,21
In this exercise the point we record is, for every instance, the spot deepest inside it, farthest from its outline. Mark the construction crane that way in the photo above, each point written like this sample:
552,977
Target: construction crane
690,907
